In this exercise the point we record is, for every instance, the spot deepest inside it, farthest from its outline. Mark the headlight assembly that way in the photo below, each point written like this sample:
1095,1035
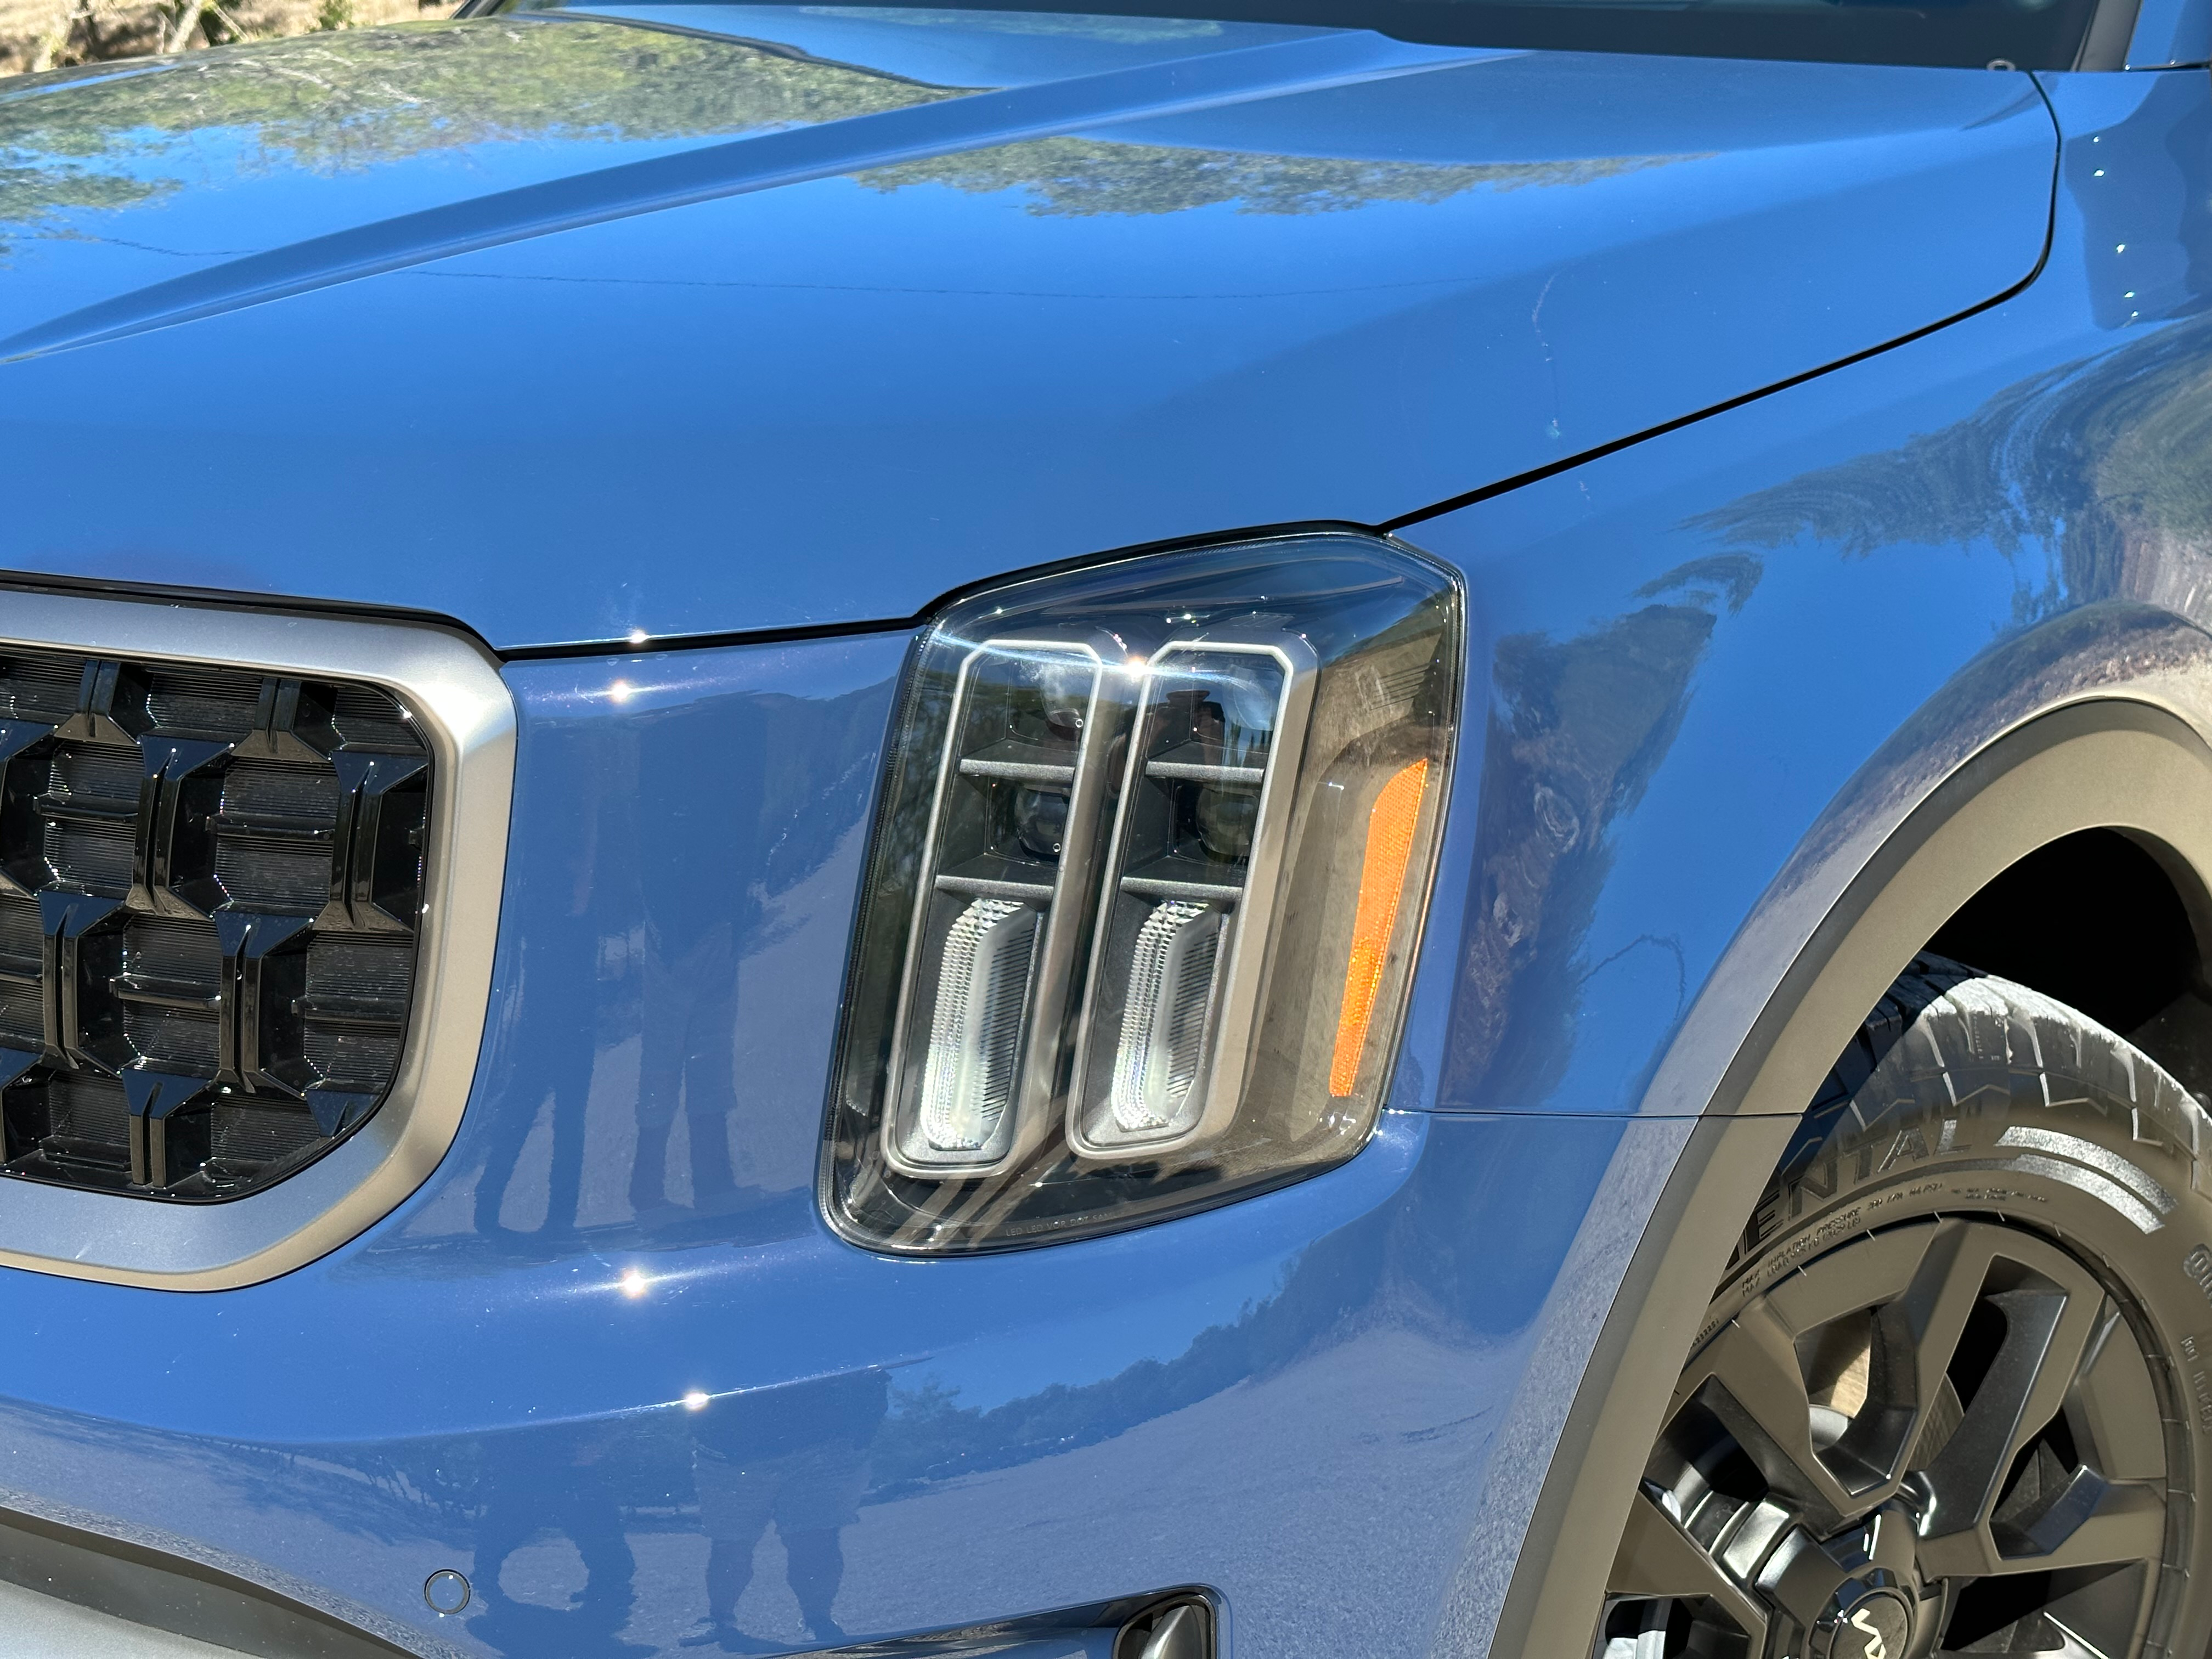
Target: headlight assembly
1148,872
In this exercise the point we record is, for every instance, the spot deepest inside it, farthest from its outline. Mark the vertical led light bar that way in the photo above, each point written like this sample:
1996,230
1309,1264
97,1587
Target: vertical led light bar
999,910
975,1030
1163,1036
1191,874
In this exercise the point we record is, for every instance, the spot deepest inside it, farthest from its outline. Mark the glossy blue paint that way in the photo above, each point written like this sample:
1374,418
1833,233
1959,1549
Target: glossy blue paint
855,362
1332,1403
618,1277
1032,1430
1697,643
2169,34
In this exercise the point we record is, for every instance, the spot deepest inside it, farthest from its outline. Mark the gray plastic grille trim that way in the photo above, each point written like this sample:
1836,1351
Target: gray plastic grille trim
464,710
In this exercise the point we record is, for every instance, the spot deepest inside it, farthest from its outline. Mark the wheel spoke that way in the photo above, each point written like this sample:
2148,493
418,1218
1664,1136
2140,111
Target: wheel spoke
2128,1524
1931,1315
1658,1560
2048,1321
2120,1421
1960,1555
1963,1476
1749,1376
2070,1348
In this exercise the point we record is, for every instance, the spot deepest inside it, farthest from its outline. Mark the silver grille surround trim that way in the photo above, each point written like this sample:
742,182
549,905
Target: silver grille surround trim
467,716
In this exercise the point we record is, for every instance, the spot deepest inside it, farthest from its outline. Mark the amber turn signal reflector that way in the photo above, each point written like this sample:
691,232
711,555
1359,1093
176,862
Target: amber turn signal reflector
1381,881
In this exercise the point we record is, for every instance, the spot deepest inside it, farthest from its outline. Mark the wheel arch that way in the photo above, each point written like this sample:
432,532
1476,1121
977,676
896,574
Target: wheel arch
2109,760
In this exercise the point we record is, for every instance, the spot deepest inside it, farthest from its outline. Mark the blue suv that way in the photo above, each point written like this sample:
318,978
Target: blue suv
1313,828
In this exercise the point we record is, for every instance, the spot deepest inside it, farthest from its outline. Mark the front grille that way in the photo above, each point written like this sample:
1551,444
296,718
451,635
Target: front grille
210,885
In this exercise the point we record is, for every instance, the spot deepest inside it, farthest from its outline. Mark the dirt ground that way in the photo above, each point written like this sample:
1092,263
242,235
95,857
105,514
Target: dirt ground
37,34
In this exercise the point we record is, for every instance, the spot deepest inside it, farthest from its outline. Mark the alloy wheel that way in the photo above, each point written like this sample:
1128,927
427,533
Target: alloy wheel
1940,1437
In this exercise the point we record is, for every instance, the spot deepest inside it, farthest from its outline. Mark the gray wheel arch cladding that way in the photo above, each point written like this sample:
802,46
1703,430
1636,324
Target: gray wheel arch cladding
1753,1052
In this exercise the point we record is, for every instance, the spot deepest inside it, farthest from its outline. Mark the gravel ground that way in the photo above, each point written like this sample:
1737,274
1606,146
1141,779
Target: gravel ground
58,1630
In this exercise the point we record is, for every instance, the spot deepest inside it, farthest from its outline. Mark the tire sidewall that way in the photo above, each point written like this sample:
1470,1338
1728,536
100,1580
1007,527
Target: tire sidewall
1920,1142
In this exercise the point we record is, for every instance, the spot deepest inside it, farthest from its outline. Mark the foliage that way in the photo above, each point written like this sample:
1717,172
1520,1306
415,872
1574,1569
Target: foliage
332,102
375,95
1082,176
105,138
32,194
2080,463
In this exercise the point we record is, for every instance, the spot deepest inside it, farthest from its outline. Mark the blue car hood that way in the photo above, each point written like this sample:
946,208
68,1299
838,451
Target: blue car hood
694,319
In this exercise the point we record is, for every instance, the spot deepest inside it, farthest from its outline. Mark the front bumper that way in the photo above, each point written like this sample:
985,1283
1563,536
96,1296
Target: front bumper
612,1326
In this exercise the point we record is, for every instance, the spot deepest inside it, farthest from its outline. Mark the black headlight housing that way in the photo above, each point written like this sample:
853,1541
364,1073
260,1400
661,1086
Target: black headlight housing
1149,869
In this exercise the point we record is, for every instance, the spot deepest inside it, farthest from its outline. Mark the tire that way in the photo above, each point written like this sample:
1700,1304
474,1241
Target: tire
1954,1392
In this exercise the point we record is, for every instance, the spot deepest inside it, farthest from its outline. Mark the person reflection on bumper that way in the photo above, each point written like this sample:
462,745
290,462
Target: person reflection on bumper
796,1457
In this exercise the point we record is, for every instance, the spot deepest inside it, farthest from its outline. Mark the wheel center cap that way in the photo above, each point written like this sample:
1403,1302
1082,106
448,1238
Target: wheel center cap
1876,1626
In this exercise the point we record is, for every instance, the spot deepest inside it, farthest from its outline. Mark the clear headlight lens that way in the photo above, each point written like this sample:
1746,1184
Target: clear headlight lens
1148,872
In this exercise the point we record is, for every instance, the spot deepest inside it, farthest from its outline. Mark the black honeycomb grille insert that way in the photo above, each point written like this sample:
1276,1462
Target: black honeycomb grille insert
210,889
